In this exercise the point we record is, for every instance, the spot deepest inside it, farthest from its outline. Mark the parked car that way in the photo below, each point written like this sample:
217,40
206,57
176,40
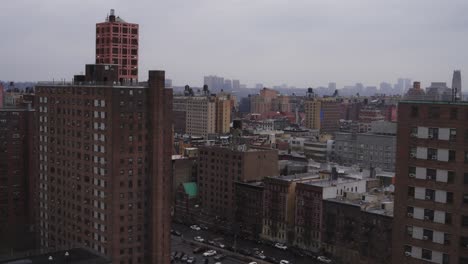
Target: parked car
198,239
191,260
284,261
281,246
184,258
204,227
195,227
324,259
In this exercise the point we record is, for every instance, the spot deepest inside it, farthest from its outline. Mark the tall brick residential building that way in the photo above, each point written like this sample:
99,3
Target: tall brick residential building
431,198
18,176
219,168
117,43
105,165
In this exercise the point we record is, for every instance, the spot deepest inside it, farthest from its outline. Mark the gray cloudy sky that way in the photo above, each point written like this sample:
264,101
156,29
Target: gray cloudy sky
298,42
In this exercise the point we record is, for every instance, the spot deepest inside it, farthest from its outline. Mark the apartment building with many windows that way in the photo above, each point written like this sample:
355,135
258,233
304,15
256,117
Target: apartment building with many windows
105,165
431,195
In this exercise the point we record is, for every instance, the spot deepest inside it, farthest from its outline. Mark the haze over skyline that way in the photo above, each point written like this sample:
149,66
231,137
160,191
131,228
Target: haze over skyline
302,43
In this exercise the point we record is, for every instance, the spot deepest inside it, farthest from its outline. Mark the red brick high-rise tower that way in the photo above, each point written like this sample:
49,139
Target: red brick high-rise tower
117,43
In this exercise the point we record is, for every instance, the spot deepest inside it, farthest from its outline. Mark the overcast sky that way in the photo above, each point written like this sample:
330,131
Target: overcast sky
298,42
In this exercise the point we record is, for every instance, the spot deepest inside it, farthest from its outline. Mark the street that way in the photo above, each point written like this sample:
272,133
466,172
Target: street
274,255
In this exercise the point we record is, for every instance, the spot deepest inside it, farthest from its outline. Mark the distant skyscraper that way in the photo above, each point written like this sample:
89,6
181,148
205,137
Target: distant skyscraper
403,84
386,88
259,86
457,86
215,83
227,85
332,86
235,84
117,43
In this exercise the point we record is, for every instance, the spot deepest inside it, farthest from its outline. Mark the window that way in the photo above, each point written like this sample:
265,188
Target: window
452,155
465,198
449,197
431,154
428,214
431,174
448,218
410,191
433,133
430,194
464,242
428,234
434,112
414,131
464,221
450,176
426,254
465,178
454,113
414,111
453,134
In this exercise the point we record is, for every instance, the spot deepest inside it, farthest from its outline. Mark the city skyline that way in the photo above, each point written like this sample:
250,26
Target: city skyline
305,43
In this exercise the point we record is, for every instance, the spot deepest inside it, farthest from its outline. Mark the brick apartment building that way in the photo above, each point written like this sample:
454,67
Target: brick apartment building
431,212
249,208
18,176
105,165
219,168
358,229
279,206
308,215
323,114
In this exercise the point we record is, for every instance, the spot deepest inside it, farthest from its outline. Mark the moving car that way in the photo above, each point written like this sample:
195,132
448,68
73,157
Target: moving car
324,259
195,227
209,253
198,239
281,246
